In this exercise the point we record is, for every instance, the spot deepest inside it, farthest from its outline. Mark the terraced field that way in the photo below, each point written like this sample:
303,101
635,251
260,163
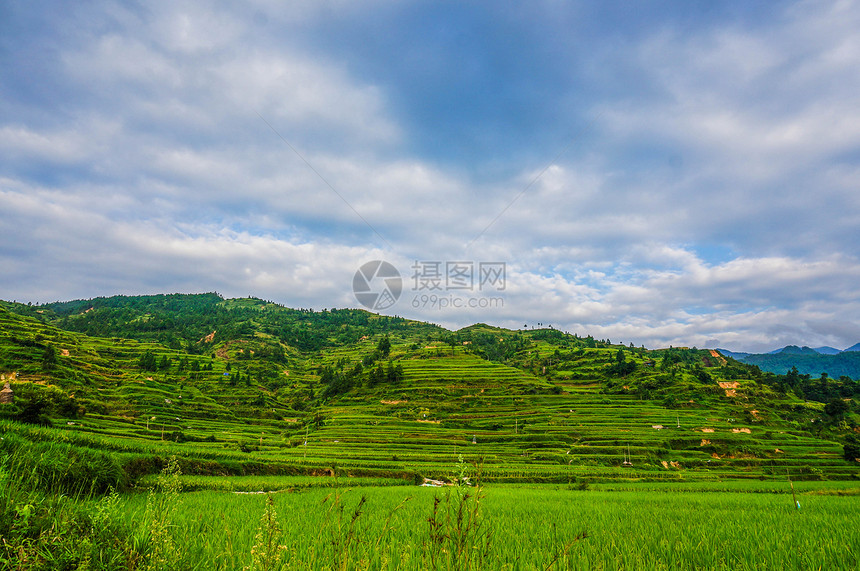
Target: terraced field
457,405
340,414
552,415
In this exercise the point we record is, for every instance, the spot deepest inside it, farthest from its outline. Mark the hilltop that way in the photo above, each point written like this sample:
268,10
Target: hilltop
245,386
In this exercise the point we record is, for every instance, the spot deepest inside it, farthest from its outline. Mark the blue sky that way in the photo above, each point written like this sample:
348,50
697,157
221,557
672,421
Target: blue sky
659,173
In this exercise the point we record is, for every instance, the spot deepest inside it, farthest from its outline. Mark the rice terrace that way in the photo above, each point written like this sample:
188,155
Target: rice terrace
197,432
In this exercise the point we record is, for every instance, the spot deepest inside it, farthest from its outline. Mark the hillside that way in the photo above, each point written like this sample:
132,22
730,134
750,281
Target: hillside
806,360
243,386
845,364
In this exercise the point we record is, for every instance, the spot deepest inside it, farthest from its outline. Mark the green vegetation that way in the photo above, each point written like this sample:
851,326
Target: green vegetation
810,363
581,447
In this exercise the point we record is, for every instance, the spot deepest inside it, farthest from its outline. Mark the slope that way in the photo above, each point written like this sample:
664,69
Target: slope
266,389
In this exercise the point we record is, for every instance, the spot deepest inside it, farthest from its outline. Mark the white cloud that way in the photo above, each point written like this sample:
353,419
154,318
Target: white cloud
159,175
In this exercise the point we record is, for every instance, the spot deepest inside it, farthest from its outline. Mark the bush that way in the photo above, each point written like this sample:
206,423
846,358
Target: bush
851,450
34,403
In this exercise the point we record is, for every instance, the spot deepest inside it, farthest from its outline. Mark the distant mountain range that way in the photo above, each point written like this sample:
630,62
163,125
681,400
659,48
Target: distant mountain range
830,350
793,350
807,360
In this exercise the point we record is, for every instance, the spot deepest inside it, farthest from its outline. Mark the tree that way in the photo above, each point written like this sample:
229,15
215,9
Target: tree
851,450
49,357
452,341
384,347
376,376
147,361
702,375
33,404
394,373
792,377
836,408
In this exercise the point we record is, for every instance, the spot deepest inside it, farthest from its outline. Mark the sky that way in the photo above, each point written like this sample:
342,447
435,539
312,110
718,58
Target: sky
658,173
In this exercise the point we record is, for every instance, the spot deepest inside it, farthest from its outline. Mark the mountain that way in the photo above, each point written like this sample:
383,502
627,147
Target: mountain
827,350
246,386
794,350
733,354
791,350
806,360
814,364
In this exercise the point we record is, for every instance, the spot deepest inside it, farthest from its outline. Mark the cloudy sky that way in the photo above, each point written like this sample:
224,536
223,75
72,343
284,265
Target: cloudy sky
655,172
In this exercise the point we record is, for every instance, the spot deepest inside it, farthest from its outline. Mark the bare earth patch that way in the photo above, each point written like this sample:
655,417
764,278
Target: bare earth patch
730,387
393,401
738,430
718,357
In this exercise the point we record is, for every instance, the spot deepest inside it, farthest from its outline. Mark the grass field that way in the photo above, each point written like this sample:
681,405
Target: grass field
538,527
301,444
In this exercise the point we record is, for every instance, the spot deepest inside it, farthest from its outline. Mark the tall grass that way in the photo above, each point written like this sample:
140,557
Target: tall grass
58,467
50,520
458,537
537,528
162,505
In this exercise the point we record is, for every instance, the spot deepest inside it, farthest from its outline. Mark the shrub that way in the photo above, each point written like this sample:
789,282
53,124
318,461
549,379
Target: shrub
851,450
161,506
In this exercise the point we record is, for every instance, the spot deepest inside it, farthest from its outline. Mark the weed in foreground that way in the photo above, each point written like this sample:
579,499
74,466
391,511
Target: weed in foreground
342,529
39,530
161,507
267,554
458,537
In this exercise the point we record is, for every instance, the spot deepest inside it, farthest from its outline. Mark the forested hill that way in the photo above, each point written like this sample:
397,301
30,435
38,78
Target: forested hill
845,364
184,321
197,324
219,377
